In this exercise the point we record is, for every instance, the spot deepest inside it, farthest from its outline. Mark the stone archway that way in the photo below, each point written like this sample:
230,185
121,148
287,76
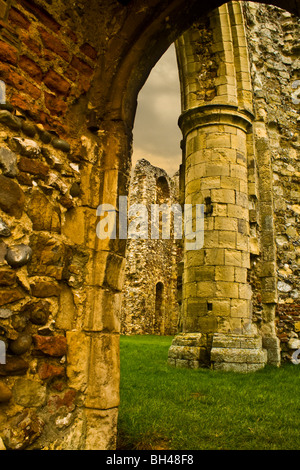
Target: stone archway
115,125
99,117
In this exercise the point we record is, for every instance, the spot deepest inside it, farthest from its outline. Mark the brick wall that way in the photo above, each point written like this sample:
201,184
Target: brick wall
46,65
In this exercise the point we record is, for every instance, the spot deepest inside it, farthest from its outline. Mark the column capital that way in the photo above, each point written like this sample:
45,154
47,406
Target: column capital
215,114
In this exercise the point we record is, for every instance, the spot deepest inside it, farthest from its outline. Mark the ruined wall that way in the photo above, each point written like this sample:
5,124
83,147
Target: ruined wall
273,37
51,171
151,262
70,73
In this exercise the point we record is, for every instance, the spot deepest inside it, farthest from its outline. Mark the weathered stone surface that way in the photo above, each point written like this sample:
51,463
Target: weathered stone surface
39,204
21,344
3,250
5,392
37,312
48,371
10,295
12,198
29,393
51,345
49,256
14,366
26,147
4,229
34,167
5,313
22,430
43,289
8,162
19,322
18,255
106,438
7,277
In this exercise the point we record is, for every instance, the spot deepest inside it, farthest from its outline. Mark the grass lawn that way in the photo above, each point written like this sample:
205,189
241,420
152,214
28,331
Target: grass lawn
180,409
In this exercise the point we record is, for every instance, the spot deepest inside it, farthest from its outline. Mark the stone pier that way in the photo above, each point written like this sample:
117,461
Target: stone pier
217,116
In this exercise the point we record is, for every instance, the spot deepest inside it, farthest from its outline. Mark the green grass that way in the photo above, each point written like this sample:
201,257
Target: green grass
180,409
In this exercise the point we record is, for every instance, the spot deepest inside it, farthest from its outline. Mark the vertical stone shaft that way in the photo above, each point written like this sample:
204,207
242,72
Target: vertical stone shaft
216,295
216,117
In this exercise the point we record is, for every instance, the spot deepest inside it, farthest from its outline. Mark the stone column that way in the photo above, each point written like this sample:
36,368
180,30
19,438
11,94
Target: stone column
217,114
216,294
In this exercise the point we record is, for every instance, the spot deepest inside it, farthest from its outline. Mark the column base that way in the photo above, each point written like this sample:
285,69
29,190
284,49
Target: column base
228,352
189,350
238,353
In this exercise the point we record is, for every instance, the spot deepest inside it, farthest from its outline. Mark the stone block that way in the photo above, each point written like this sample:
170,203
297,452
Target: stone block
230,183
227,289
240,274
78,344
205,289
233,258
190,353
104,372
101,429
238,355
189,339
225,223
217,169
102,310
218,141
230,367
40,204
227,239
235,211
240,308
221,308
245,291
226,196
225,273
214,257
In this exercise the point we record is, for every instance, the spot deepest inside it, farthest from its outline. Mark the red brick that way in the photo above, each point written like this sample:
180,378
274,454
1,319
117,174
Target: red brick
89,51
57,83
26,104
71,74
31,68
48,371
81,66
18,82
18,19
21,84
54,44
52,124
55,346
55,105
8,53
32,45
41,14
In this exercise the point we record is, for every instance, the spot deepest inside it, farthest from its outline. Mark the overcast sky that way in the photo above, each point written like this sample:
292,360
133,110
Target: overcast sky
156,135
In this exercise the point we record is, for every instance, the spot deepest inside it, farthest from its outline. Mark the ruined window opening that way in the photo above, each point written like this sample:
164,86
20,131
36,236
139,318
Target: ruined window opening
159,308
162,190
